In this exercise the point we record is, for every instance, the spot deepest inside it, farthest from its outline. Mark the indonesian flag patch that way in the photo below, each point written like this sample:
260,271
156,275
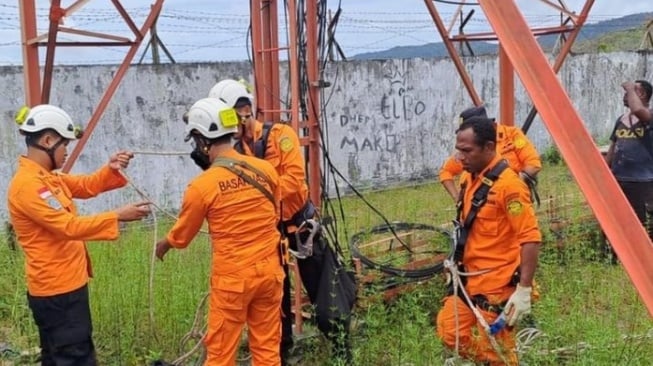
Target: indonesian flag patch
47,196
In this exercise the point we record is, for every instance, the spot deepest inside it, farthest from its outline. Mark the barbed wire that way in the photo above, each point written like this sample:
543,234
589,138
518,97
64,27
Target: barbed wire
228,30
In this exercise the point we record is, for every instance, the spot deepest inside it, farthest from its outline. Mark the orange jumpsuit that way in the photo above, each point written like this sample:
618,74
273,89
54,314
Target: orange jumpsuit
44,216
246,272
502,225
284,153
512,145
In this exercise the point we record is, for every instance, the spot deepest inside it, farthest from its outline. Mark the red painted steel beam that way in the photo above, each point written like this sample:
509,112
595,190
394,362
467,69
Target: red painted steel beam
31,70
275,99
257,44
93,34
566,48
490,36
560,6
90,44
75,6
457,61
604,196
312,62
265,50
127,18
293,65
113,86
564,51
264,65
56,13
506,89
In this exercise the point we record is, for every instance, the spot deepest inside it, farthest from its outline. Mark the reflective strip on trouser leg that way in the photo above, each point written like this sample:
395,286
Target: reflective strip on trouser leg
253,296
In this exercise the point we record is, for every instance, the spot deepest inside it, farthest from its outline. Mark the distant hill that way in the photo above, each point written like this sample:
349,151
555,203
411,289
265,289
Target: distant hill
601,36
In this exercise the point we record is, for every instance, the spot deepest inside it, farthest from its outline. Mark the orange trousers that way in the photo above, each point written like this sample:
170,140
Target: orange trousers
251,295
473,341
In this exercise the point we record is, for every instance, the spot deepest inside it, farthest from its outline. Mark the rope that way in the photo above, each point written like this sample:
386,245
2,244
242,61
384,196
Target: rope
150,292
457,285
147,198
196,331
163,153
526,337
584,346
193,332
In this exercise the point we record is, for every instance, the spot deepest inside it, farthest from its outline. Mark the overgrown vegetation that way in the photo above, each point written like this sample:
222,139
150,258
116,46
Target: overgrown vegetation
551,155
625,40
589,312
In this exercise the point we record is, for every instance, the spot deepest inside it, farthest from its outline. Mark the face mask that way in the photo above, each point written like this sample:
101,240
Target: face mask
201,159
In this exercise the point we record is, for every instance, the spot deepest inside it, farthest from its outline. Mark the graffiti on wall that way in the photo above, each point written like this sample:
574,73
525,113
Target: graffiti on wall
379,129
397,107
366,141
398,103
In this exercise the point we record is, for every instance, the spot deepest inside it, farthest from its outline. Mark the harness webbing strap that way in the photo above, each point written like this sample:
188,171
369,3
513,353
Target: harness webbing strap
258,147
232,165
478,200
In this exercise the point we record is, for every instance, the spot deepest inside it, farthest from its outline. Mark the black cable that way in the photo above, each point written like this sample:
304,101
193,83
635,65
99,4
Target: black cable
324,148
415,274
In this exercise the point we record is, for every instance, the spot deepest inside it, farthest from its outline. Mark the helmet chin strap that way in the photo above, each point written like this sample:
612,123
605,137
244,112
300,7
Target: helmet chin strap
50,151
200,153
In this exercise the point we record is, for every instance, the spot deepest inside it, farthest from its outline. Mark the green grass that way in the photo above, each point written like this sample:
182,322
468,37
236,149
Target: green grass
589,311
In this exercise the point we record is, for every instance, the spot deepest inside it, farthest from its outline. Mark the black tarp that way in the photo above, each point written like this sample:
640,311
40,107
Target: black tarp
332,290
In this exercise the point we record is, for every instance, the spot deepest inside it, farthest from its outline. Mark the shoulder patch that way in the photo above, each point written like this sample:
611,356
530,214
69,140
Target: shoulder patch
44,192
515,207
519,142
286,144
47,196
53,202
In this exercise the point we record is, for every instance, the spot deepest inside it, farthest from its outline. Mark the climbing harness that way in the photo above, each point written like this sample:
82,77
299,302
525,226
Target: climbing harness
258,147
305,248
478,200
456,274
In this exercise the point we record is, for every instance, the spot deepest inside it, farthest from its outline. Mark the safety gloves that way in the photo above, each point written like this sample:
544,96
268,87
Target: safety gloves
518,305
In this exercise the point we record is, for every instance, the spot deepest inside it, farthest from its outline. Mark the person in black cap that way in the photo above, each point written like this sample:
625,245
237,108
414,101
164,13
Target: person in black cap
512,145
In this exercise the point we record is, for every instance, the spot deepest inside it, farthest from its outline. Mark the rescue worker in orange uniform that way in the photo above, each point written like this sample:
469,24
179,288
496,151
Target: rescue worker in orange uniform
52,234
503,239
512,145
246,271
278,144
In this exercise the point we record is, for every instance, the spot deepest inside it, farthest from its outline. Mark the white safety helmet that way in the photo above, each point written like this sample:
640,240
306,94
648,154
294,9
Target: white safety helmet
46,116
212,118
231,91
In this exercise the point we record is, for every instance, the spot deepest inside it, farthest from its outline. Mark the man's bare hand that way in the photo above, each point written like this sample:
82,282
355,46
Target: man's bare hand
120,160
162,247
631,86
134,211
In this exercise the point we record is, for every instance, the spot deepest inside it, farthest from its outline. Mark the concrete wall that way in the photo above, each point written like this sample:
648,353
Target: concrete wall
387,121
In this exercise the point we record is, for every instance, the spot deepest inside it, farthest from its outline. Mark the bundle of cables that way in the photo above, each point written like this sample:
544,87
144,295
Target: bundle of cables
406,252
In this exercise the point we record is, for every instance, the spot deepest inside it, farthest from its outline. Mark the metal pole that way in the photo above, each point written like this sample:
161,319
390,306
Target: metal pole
31,71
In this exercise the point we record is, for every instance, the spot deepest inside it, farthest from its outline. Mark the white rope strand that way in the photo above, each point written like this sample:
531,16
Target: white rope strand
196,331
161,153
457,285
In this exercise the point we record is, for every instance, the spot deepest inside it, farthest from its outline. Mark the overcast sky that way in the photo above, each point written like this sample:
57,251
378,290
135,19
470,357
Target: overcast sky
216,30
